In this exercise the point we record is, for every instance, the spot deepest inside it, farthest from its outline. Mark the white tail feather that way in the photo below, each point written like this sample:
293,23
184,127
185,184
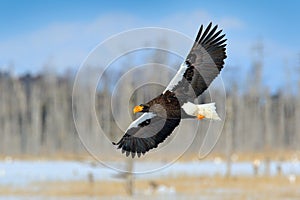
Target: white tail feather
208,111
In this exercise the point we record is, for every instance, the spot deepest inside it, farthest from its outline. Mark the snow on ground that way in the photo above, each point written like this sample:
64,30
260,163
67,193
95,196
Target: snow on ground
24,172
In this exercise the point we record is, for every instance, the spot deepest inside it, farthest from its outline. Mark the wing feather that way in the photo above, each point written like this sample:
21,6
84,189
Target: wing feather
199,33
205,32
202,65
140,137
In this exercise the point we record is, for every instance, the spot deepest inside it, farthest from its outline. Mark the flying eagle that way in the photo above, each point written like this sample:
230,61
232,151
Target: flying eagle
164,113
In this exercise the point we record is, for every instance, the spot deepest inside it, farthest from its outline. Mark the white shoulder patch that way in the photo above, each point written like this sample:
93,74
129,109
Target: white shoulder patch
178,77
142,118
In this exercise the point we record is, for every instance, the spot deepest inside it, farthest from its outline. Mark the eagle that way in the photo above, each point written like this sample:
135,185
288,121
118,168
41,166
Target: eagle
163,114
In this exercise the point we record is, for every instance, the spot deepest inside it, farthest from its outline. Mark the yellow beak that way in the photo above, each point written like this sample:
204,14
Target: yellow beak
137,109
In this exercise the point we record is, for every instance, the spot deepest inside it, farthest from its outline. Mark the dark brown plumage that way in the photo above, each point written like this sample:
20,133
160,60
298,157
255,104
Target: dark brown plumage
165,105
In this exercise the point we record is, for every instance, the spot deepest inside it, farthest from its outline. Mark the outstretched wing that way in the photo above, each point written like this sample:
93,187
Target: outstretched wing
146,133
202,65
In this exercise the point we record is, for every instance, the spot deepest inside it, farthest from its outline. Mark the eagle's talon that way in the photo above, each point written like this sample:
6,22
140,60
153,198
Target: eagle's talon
200,117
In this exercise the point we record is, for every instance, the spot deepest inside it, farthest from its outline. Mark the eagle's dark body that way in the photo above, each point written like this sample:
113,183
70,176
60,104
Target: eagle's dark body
166,105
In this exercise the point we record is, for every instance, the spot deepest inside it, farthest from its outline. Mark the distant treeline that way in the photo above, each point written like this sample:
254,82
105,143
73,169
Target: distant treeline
36,118
36,115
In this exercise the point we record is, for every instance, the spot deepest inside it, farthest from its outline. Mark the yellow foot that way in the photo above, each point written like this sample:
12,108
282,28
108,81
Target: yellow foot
200,117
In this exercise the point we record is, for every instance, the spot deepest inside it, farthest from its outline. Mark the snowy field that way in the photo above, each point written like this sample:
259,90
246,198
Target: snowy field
26,172
181,180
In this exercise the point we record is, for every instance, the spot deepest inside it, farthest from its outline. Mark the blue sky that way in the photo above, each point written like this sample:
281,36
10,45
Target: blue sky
35,33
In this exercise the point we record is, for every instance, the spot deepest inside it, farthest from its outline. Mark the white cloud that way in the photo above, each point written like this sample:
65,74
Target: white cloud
231,23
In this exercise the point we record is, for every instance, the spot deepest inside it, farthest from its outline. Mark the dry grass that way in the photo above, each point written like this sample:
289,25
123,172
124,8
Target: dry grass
213,187
244,156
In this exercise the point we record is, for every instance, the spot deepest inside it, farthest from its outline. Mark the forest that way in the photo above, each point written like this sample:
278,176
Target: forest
36,115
